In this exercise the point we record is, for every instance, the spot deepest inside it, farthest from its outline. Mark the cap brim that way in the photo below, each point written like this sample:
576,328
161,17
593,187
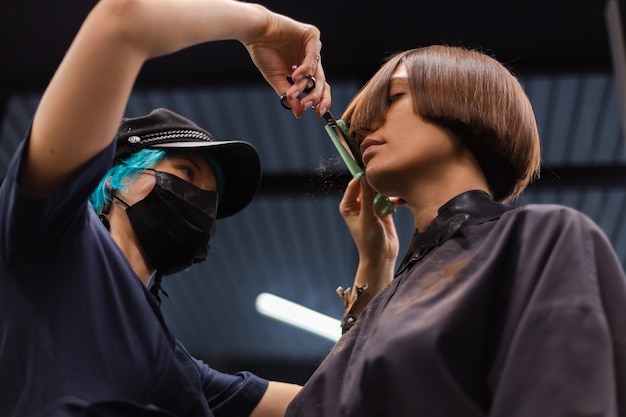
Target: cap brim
240,165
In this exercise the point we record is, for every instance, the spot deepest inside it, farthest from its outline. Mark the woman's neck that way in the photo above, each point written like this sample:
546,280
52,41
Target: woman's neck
426,197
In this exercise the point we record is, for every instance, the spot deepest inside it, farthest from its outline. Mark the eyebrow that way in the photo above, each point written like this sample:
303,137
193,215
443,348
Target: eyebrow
190,159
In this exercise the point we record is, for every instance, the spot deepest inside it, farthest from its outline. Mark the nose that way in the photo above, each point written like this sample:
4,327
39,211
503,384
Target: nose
372,127
368,128
361,133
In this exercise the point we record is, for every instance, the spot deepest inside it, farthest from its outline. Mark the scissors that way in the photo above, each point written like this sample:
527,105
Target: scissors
348,149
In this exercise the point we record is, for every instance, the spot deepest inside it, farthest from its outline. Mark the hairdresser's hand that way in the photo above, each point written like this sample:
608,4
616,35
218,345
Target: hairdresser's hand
375,236
290,48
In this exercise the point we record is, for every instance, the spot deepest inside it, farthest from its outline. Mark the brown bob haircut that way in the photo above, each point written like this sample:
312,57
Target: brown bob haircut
472,95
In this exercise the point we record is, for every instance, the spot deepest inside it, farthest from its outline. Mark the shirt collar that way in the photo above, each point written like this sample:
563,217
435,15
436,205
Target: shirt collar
468,208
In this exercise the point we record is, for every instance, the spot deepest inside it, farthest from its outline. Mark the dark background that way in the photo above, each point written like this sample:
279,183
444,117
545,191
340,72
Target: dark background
533,36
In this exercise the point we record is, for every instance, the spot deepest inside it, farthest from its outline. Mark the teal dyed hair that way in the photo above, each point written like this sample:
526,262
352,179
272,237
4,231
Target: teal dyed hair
122,175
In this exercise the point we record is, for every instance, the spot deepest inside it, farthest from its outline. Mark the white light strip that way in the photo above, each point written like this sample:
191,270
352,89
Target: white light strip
299,316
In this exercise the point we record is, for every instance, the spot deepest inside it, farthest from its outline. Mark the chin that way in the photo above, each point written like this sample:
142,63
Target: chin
380,182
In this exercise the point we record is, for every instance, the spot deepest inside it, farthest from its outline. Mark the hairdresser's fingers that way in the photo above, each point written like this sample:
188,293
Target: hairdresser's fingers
310,79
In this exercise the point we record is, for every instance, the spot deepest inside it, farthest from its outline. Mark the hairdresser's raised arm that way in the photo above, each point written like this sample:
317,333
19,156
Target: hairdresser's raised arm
82,107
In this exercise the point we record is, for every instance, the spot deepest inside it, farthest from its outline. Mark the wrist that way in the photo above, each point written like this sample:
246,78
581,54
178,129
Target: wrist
261,21
374,273
357,297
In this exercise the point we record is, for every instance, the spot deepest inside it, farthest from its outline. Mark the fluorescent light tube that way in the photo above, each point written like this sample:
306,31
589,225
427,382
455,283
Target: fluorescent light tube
299,316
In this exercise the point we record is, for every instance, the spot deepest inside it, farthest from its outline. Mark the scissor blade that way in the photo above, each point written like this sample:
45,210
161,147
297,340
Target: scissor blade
341,132
337,137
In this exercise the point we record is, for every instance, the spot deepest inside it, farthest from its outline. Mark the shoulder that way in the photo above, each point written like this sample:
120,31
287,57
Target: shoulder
554,229
546,210
553,216
550,226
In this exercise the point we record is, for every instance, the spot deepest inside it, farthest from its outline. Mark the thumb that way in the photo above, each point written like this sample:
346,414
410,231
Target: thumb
351,201
367,198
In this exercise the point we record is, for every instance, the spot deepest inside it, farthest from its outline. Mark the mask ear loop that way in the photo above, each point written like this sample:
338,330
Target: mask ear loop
103,215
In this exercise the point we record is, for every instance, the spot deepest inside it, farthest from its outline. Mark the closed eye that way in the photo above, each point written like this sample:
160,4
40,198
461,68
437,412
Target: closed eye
185,166
394,97
187,171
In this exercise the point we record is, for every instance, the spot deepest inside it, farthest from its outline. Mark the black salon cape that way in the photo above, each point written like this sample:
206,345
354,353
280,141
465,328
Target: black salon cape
501,312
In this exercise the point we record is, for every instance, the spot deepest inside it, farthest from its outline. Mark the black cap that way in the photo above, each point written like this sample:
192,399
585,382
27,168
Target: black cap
163,129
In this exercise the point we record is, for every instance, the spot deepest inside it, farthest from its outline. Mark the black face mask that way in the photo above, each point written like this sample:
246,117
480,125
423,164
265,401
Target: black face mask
174,223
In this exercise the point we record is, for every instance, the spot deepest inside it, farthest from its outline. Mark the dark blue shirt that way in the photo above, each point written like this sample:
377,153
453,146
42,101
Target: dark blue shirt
77,326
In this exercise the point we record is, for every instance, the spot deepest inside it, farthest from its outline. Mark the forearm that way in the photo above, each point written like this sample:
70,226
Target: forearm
276,399
84,102
374,273
162,27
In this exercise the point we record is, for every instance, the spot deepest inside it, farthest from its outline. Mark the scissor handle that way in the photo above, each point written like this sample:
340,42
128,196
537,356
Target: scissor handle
383,205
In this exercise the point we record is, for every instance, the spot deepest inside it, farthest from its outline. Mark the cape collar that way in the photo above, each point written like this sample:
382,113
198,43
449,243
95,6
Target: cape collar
469,208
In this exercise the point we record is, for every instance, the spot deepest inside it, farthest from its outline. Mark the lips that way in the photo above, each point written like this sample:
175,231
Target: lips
368,145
